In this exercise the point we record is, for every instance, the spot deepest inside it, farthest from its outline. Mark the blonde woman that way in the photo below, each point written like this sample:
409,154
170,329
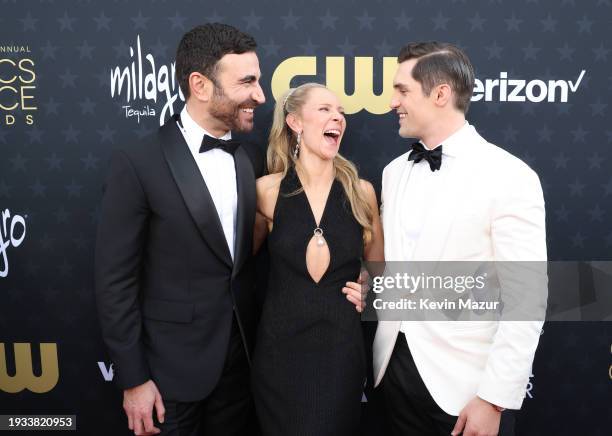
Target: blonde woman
309,364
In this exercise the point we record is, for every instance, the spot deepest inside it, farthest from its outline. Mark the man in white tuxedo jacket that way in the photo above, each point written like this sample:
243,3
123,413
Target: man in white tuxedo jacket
454,197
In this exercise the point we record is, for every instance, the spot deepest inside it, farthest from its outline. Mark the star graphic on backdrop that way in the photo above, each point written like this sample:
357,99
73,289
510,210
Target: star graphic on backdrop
584,24
440,21
366,133
576,188
159,49
90,162
328,21
601,53
71,134
476,22
579,134
271,48
142,131
564,108
35,135
578,240
5,189
74,189
530,51
122,49
346,48
596,213
85,50
252,20
607,188
595,161
177,21
290,20
107,134
403,22
61,215
598,108
48,50
544,134
383,49
562,213
140,21
513,23
54,162
215,18
566,52
3,135
29,23
510,133
560,160
102,22
88,106
549,24
365,20
494,50
66,268
68,79
66,22
38,189
46,242
309,47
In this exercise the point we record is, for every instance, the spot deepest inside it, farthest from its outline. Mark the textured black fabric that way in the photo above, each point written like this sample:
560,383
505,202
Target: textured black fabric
309,362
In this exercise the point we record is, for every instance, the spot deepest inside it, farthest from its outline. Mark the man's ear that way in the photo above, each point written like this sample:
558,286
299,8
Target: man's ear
443,94
294,123
201,87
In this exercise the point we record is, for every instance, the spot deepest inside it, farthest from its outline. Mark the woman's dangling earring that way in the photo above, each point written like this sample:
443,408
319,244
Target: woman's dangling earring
296,150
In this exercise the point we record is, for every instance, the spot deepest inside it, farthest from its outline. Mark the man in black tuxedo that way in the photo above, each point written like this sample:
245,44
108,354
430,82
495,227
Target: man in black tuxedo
174,272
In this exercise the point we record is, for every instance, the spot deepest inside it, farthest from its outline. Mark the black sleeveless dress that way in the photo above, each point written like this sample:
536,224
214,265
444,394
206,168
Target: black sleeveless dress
309,363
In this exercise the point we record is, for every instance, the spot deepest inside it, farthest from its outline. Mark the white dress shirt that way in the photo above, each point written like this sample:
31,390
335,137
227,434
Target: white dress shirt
219,173
420,194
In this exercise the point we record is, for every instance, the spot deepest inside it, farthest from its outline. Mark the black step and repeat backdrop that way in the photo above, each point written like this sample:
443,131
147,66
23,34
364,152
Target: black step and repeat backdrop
79,78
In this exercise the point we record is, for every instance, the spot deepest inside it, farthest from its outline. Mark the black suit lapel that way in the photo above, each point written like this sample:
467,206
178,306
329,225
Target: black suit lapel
245,217
193,189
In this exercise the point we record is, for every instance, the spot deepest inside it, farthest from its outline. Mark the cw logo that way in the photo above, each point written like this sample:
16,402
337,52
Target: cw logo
24,377
362,98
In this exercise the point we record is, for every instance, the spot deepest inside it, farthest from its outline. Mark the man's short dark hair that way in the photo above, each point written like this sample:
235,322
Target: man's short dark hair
441,62
203,46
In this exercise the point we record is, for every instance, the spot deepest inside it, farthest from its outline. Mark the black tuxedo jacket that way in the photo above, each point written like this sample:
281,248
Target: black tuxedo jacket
166,286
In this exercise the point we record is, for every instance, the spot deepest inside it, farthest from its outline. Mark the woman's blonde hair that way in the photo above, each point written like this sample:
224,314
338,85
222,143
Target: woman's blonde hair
281,148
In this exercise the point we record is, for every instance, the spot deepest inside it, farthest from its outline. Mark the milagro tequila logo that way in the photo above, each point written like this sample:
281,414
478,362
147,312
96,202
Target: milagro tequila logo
142,83
12,233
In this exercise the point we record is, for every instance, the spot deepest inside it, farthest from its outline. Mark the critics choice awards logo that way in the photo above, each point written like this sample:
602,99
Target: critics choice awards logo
17,86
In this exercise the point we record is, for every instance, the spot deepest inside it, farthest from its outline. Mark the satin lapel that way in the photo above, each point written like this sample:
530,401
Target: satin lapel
245,216
195,193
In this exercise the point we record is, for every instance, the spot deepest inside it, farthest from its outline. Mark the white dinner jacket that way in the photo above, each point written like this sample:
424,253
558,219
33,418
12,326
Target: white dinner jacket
491,209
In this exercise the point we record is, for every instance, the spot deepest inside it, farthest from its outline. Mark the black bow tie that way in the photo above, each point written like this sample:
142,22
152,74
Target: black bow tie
208,143
434,157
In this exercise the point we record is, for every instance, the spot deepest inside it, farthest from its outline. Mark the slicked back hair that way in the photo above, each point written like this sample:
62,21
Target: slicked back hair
441,62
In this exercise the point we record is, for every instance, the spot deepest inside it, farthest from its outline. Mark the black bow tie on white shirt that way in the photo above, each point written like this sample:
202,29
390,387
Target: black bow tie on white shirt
434,157
208,143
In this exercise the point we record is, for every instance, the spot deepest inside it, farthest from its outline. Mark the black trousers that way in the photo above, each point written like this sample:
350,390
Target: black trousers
227,411
410,407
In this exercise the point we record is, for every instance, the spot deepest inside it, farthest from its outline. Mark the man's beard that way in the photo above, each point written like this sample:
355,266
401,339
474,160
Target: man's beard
228,111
